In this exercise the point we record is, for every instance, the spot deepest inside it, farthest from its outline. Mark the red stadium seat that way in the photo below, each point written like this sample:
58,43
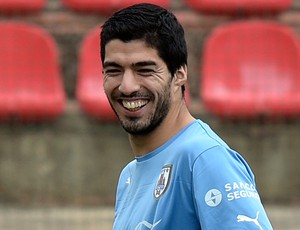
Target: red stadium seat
89,91
105,6
30,82
11,6
250,6
252,69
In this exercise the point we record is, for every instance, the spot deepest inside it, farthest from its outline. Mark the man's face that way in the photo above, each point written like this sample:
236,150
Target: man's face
137,83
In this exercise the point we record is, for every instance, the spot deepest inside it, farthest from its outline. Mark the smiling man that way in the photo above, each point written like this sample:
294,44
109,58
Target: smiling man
136,85
183,176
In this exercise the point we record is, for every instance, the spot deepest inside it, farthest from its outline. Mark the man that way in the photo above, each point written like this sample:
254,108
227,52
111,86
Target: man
183,175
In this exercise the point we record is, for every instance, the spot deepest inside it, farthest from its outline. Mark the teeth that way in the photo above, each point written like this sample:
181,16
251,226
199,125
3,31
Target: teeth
133,105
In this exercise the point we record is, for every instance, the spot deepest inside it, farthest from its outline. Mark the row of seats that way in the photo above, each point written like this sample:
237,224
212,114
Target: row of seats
104,6
249,68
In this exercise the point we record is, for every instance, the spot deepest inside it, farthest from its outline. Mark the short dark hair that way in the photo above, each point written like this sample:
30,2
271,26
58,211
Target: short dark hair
157,26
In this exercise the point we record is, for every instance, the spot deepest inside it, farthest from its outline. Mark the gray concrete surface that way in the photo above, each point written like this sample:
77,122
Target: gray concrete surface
14,218
77,159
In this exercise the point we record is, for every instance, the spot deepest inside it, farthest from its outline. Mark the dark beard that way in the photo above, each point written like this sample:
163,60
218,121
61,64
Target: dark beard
134,127
154,121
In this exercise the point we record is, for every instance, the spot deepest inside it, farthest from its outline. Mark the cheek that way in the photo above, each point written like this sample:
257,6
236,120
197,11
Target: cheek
108,85
105,86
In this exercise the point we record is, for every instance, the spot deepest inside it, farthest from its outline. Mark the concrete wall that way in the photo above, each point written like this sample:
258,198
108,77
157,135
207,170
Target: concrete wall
76,160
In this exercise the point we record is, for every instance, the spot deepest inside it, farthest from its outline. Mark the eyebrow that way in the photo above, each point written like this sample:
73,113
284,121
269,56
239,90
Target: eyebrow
110,64
145,63
138,64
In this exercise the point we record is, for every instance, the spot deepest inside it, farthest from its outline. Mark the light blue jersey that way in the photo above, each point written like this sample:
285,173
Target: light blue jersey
194,181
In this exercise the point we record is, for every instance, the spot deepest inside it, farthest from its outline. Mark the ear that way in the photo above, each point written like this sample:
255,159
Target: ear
181,76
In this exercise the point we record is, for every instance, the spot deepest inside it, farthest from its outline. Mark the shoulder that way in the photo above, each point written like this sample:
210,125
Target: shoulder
198,139
127,171
209,155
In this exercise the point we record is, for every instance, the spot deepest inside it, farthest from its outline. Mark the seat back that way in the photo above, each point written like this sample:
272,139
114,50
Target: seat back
251,68
105,6
30,82
89,90
20,6
238,6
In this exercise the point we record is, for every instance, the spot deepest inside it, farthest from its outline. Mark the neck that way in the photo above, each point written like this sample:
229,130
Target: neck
171,125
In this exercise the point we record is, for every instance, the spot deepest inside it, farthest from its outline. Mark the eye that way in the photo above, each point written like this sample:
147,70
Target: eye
145,71
111,72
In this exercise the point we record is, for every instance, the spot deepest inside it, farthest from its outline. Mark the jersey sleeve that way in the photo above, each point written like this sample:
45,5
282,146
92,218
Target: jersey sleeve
225,192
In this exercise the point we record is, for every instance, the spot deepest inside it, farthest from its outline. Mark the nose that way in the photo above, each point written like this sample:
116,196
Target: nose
129,83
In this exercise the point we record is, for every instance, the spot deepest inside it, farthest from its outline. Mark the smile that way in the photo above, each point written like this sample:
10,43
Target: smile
134,105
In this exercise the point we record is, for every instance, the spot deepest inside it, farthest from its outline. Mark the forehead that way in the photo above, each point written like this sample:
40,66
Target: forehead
130,52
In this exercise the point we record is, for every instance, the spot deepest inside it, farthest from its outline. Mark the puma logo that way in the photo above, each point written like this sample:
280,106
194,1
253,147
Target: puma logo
242,218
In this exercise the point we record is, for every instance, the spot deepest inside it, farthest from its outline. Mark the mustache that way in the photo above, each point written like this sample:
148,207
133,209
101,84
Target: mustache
119,95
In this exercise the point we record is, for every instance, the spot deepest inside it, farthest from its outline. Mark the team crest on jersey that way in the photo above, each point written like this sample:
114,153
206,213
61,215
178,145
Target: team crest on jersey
163,181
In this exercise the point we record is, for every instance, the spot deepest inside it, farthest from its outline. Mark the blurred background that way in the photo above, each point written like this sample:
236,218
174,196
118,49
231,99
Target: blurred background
61,147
